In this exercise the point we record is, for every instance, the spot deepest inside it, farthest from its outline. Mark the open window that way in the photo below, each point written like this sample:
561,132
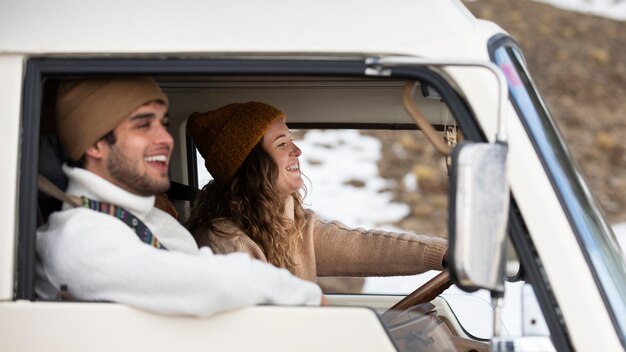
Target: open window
327,102
389,174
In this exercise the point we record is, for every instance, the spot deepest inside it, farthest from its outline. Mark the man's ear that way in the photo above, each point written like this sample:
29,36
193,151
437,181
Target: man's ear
96,151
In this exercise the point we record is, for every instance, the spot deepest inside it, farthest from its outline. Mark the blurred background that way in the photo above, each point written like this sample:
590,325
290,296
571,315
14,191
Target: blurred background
576,54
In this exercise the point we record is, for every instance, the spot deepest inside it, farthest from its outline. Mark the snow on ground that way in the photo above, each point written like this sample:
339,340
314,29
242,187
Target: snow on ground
331,159
614,9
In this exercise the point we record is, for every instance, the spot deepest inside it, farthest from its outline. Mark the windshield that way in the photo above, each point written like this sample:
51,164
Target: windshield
593,233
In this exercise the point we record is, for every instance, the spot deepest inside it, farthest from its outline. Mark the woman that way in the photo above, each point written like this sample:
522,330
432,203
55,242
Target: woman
254,204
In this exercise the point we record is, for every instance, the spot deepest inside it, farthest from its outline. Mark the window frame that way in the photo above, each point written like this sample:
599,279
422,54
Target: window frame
39,69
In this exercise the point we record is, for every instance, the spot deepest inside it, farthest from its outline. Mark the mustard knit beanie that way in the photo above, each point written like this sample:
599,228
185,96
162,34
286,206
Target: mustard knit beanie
87,110
224,137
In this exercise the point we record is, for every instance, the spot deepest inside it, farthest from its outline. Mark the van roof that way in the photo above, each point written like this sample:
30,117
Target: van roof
428,28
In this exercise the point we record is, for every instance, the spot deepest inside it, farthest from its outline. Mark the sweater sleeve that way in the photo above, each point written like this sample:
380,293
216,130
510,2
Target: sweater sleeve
108,262
342,251
232,241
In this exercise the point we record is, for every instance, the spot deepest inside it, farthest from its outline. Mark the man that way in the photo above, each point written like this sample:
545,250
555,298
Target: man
114,132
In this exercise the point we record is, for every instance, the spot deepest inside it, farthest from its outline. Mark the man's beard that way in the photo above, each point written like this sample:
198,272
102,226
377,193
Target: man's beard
124,172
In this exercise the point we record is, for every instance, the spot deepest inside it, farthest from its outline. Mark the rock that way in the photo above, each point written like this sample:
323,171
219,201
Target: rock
600,56
355,183
423,173
604,141
409,143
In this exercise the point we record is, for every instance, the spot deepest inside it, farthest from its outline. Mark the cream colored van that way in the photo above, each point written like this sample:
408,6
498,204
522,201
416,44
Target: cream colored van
424,68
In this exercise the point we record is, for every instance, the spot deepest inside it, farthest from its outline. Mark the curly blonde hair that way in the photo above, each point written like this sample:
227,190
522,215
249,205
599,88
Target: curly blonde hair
251,201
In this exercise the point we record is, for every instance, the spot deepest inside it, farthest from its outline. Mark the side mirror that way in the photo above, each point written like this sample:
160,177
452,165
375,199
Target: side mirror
479,209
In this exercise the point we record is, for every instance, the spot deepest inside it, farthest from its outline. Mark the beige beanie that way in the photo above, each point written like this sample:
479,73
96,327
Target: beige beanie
87,110
224,137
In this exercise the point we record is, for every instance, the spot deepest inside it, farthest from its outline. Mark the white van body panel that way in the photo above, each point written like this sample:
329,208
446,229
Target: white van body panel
11,71
113,327
275,29
239,26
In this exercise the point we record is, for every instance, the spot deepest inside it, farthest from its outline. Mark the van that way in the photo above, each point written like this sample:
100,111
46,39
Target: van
518,208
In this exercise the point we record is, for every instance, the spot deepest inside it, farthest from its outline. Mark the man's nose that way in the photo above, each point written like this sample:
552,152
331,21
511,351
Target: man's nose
164,137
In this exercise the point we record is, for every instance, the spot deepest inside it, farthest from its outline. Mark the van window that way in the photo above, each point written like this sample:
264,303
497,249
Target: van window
404,174
594,234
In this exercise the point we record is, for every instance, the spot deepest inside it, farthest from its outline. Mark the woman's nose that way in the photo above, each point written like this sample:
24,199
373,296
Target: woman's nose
295,150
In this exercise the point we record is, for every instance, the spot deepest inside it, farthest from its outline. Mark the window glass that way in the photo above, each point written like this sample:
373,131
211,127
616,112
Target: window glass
594,235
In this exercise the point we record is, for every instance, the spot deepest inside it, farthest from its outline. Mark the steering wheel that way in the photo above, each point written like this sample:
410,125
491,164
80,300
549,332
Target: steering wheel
425,293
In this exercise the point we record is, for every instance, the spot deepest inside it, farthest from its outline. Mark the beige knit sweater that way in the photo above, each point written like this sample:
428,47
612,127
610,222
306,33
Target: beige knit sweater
329,248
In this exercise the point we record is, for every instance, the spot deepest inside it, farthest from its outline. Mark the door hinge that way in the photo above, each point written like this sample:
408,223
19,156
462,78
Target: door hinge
374,68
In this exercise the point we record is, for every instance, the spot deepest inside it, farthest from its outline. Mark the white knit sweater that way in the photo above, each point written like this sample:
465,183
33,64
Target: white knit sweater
99,257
